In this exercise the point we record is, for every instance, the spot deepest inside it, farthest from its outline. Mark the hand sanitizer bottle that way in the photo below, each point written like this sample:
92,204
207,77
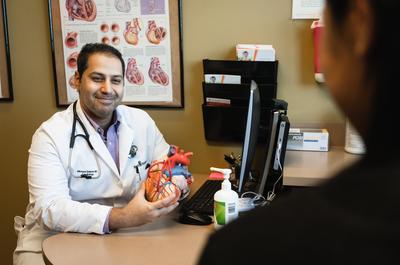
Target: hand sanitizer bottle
225,201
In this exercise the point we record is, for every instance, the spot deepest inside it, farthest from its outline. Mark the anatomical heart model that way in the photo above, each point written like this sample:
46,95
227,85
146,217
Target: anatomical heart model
169,176
156,73
81,9
133,74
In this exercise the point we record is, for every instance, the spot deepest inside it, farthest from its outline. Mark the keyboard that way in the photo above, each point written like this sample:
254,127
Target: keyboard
202,200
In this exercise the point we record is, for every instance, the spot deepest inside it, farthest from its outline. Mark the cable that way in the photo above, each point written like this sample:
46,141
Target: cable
249,200
271,194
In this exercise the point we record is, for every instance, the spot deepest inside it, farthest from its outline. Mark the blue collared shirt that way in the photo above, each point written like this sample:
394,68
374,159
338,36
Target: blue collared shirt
110,139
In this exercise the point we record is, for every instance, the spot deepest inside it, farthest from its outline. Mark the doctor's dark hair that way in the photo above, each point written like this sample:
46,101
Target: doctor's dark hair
93,48
382,62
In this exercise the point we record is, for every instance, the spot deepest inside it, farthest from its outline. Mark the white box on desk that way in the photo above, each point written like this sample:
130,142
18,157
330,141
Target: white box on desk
308,139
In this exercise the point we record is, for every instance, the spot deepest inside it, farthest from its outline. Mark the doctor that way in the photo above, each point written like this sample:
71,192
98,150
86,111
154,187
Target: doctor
87,163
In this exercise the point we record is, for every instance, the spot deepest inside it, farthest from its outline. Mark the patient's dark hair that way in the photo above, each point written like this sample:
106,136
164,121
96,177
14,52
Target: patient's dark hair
383,70
93,48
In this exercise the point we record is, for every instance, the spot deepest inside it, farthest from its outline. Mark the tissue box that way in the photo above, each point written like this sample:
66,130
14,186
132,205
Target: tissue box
308,139
253,52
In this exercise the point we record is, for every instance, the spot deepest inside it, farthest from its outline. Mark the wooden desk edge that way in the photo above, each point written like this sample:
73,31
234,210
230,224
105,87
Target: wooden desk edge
308,168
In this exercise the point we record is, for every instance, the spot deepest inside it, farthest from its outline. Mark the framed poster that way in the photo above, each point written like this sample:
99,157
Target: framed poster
6,93
146,32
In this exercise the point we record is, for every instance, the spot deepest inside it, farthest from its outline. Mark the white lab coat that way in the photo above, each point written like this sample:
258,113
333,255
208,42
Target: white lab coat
61,202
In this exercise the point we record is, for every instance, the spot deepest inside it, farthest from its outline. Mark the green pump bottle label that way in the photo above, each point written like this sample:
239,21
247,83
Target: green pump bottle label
219,209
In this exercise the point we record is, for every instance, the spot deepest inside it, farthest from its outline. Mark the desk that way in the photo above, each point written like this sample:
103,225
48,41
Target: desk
164,241
309,168
168,242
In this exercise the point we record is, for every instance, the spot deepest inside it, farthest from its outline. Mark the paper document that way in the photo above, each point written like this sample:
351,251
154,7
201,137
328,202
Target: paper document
307,9
222,79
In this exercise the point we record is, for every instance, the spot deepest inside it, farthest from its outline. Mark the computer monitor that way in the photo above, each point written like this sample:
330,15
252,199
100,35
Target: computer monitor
275,155
250,137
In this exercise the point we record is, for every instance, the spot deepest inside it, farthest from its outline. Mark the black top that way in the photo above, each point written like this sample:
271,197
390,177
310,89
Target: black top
353,218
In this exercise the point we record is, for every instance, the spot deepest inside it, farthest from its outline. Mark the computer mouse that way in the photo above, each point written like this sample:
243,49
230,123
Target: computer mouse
194,218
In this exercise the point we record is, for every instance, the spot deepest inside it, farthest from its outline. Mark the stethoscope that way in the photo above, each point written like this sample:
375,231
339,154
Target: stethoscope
87,174
93,174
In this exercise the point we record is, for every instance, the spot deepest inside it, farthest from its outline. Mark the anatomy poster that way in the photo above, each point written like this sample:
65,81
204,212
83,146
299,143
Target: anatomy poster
144,32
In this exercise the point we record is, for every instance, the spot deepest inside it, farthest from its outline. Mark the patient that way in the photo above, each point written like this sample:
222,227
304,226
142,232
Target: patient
353,218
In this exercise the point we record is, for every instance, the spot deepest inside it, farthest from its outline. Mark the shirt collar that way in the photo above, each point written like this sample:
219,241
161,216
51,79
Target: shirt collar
115,121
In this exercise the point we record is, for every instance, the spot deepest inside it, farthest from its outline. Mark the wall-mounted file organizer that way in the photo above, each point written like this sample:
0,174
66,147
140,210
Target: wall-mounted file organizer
226,123
260,72
237,94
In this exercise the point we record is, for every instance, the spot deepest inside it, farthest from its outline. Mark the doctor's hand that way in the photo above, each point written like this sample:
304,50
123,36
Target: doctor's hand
140,211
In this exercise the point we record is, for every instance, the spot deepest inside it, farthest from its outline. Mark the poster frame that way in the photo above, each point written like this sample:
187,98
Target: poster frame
177,80
5,63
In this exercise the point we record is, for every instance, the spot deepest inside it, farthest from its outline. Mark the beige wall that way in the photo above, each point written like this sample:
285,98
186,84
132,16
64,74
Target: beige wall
211,30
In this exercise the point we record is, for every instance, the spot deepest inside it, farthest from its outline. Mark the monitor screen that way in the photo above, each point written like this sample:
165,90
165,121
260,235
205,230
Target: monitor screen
250,137
262,162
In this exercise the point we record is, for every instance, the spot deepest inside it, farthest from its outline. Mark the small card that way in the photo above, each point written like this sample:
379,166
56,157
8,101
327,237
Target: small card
254,52
218,102
222,79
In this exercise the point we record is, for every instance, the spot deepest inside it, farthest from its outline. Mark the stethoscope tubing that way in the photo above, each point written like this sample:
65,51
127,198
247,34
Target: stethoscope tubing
72,143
